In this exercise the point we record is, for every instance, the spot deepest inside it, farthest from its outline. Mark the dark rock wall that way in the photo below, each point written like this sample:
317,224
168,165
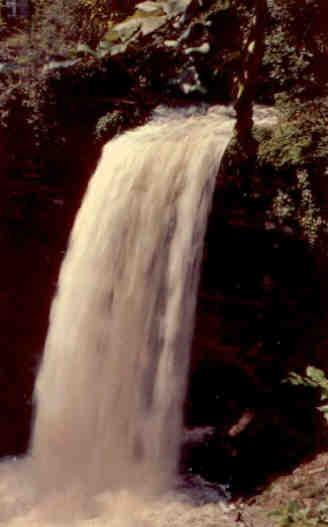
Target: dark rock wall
260,315
41,191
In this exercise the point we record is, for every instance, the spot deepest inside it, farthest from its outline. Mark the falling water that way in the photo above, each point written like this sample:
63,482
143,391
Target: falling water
111,384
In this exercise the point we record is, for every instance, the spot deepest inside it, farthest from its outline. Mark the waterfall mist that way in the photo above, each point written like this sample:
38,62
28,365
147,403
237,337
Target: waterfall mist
111,384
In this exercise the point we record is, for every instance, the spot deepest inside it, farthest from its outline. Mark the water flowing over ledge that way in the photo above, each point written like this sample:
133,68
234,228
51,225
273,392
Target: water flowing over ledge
111,384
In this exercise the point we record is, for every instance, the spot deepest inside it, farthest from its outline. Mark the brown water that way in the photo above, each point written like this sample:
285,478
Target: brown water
111,385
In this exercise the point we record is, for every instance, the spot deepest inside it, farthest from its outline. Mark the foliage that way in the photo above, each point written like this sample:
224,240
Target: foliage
313,378
285,64
300,137
308,214
148,17
179,48
109,124
296,514
115,121
295,78
62,43
295,207
298,147
296,43
61,25
292,514
183,40
307,20
56,28
96,14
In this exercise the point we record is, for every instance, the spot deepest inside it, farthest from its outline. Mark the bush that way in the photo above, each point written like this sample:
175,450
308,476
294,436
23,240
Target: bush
313,378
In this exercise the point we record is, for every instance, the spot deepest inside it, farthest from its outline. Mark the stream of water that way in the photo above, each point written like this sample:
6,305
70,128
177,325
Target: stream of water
111,384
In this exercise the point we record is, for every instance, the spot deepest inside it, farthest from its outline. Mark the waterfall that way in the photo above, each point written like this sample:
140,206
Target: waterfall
111,384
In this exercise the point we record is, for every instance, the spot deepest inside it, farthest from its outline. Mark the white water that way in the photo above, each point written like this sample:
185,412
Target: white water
111,385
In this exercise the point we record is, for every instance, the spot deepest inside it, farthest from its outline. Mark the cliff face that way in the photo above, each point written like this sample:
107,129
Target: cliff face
261,314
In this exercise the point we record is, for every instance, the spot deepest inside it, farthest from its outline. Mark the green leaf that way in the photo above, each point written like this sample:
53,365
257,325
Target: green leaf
316,374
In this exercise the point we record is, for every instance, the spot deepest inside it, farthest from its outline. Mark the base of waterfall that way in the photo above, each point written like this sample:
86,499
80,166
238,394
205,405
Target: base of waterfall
192,501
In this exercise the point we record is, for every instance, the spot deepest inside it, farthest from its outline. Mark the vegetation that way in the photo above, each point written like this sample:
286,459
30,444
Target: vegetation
310,509
82,35
296,514
314,378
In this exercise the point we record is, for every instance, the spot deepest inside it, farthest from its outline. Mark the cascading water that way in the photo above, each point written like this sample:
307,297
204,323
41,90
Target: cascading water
111,385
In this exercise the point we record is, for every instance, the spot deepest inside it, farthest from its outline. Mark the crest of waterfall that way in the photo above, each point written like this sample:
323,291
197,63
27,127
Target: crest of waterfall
111,384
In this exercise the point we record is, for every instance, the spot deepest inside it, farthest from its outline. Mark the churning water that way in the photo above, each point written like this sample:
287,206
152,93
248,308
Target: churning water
111,384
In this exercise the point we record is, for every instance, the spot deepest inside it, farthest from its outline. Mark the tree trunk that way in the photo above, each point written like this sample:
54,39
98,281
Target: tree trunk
253,56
